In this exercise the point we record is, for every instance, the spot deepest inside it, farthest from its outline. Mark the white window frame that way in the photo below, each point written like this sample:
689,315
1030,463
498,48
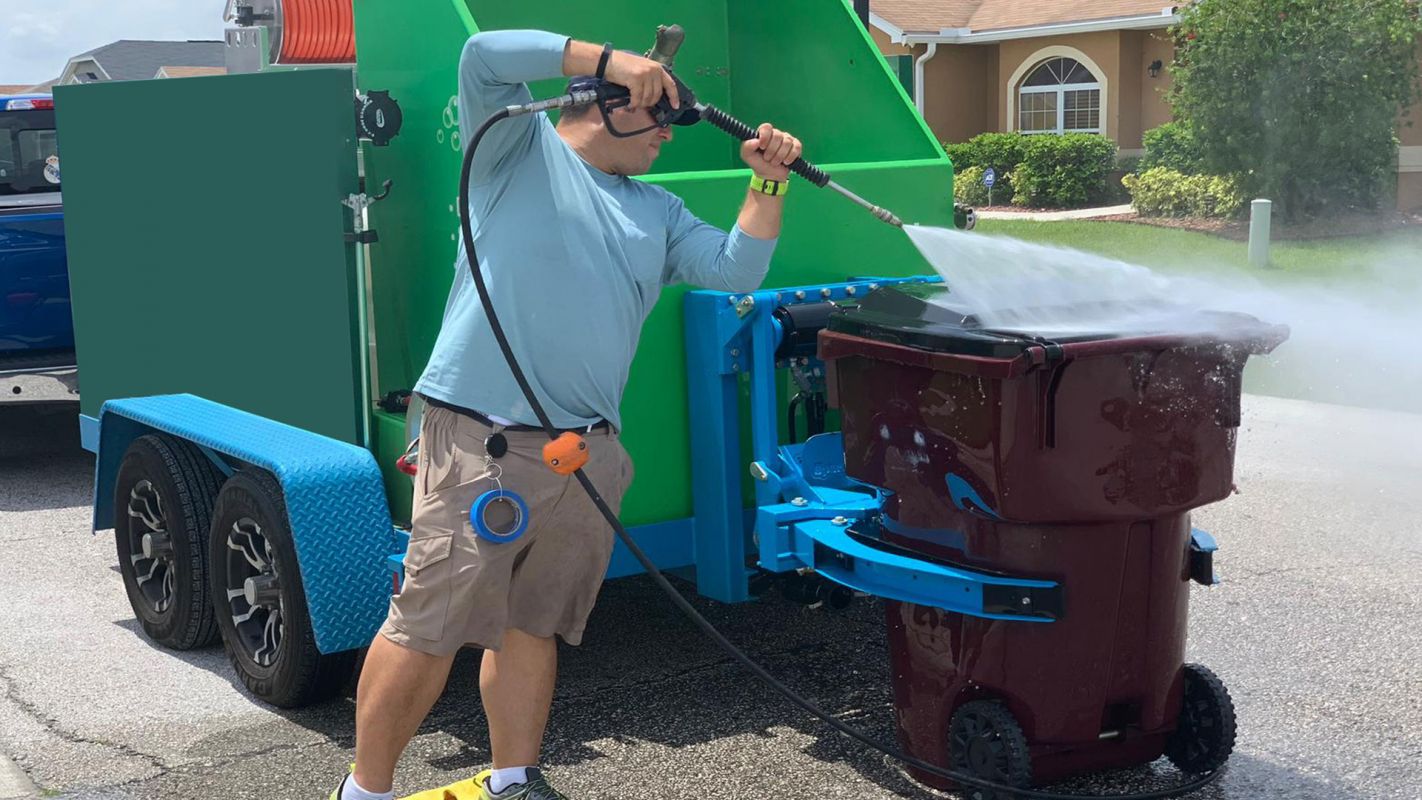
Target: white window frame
1060,91
1014,84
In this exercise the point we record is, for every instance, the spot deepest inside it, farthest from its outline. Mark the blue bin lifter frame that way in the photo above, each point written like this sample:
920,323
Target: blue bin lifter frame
334,494
808,515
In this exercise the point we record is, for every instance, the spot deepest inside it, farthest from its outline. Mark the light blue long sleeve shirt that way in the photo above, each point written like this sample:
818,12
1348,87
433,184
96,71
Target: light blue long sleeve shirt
574,258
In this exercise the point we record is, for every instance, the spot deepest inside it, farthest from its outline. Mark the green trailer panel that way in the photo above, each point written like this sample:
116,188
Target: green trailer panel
206,243
806,65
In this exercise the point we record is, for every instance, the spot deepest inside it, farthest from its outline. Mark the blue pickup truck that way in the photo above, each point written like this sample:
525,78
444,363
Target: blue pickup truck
37,363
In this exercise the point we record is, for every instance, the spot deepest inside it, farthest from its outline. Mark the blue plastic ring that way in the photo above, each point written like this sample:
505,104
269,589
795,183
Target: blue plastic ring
477,511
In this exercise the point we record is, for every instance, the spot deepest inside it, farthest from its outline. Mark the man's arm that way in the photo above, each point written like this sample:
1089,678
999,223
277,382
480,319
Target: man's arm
496,67
704,255
769,156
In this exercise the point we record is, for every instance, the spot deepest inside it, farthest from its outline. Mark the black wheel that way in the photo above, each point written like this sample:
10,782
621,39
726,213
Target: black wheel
985,740
1204,735
162,511
261,603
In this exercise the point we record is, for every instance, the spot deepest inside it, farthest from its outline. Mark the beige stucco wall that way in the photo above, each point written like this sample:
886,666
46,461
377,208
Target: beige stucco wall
1409,177
1155,110
960,101
1144,106
1409,191
967,90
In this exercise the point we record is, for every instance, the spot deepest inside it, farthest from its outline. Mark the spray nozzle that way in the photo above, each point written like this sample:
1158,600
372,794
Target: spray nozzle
669,41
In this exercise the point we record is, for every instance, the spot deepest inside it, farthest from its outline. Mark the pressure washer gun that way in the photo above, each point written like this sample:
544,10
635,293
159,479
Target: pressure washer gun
610,96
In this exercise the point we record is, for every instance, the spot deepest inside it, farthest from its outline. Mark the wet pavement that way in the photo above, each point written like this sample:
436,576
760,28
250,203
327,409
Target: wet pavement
1314,630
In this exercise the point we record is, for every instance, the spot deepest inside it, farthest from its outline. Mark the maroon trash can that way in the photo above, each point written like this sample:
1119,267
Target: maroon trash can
1071,458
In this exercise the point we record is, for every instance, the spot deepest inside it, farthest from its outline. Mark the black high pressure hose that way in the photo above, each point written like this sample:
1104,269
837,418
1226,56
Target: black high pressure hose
680,602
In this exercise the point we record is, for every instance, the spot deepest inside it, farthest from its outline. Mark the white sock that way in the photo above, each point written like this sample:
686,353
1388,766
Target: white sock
502,779
350,790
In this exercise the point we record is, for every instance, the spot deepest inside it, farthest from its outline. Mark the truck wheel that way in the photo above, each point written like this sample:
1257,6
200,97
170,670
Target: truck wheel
1204,735
261,603
985,740
163,508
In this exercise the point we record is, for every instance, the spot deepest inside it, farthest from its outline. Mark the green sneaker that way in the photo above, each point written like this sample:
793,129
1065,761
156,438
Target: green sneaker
536,788
336,795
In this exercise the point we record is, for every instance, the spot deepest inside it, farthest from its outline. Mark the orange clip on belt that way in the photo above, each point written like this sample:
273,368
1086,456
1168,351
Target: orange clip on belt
566,454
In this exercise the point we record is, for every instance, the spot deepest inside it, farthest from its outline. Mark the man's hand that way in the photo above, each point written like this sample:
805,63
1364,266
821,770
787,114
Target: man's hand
771,153
644,78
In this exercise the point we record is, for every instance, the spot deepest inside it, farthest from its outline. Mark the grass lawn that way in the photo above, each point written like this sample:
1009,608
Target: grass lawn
1173,250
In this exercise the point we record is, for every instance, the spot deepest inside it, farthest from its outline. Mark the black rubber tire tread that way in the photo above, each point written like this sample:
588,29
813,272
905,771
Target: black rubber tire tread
1212,704
189,482
1005,726
302,675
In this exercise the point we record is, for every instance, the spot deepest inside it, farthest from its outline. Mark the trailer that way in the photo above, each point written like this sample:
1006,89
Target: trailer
248,372
250,328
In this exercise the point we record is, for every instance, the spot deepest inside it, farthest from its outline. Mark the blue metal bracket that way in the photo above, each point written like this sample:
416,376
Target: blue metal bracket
830,548
828,523
1202,558
731,339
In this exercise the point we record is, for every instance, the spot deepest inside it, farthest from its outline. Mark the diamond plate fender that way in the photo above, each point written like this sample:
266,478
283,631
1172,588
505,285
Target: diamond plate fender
335,501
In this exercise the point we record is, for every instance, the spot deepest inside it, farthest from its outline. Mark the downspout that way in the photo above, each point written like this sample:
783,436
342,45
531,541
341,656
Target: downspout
918,71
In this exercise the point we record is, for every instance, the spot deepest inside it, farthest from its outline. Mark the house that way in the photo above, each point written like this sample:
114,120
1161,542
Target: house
189,72
129,60
1051,66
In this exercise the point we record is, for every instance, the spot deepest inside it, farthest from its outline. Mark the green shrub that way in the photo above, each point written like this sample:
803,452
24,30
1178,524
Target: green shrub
1174,146
1001,151
1063,171
1298,99
968,187
1163,192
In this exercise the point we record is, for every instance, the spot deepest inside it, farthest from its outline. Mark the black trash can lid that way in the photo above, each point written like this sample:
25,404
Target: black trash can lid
928,316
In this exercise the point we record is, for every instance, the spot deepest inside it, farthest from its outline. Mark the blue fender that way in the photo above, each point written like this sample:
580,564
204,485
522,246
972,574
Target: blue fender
335,500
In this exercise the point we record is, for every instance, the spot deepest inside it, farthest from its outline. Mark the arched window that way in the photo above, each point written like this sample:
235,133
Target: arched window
1059,96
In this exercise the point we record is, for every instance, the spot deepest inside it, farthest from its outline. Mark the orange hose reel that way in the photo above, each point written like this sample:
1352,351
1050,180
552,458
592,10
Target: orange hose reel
318,32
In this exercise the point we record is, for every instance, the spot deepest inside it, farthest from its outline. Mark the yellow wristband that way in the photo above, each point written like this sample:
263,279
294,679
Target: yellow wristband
772,188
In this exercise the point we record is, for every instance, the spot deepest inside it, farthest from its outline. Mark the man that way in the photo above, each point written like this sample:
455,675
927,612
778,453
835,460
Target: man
574,254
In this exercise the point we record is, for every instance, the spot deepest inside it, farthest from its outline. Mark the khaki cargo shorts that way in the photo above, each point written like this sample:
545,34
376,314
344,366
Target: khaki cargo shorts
461,589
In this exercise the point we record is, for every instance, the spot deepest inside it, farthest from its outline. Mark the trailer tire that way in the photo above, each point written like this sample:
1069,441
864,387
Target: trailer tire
261,601
163,500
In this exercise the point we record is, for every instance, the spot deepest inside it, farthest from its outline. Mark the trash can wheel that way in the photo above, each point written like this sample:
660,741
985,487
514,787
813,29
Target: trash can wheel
1204,734
163,498
260,600
985,740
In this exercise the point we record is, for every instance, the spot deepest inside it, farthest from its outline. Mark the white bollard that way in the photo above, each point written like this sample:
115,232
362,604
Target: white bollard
1260,212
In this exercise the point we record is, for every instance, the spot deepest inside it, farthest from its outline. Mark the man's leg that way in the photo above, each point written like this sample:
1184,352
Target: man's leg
516,685
398,687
